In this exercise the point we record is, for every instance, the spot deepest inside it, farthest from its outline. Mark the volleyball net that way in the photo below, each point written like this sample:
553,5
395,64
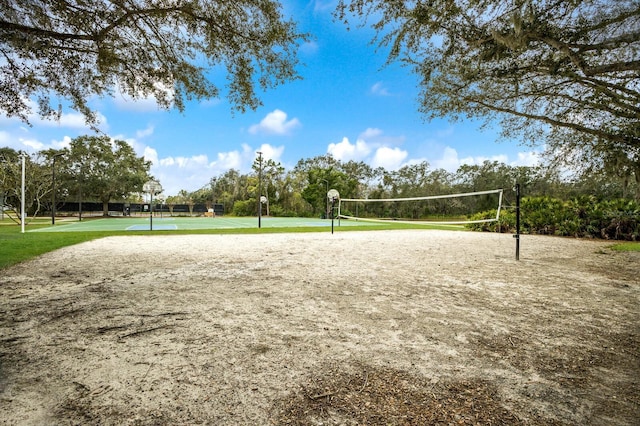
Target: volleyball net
450,209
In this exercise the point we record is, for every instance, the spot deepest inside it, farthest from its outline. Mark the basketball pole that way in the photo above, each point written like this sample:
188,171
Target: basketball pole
334,195
333,203
151,211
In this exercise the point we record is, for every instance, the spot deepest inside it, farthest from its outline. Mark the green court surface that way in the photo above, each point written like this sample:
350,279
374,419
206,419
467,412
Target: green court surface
188,223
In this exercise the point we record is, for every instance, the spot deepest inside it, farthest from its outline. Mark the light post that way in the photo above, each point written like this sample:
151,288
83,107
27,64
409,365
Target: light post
152,187
161,197
80,200
53,191
22,215
326,205
2,198
259,189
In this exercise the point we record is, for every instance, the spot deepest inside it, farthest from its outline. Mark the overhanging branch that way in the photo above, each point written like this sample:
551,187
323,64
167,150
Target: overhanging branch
631,141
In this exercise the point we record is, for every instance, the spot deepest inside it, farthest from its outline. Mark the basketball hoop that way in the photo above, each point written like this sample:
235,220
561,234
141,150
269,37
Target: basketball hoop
151,187
334,196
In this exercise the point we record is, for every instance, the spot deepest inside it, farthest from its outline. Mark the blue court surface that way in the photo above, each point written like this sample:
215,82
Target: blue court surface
188,223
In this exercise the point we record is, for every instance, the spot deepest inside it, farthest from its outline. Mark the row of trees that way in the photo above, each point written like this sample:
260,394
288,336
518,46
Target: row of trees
98,169
302,190
93,168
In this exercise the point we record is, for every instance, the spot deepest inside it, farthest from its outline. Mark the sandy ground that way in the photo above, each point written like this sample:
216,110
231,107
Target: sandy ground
377,327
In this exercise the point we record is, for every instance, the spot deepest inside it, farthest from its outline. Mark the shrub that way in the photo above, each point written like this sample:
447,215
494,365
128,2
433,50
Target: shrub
505,223
578,217
244,208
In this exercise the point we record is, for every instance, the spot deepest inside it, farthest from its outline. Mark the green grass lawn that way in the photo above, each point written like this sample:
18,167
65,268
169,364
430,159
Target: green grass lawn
627,246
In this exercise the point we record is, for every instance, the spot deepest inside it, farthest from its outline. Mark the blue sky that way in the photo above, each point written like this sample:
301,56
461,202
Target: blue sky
348,104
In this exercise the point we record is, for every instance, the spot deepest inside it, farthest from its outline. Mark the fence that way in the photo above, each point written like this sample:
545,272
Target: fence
127,209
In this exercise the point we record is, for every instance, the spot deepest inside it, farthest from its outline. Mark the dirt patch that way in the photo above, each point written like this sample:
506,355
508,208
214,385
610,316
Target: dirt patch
376,328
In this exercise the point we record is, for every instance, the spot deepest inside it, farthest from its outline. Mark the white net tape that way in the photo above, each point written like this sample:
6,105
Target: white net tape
363,201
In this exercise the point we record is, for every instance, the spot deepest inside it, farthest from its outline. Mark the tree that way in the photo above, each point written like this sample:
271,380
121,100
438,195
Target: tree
315,193
228,188
564,70
272,182
37,183
105,169
76,49
363,174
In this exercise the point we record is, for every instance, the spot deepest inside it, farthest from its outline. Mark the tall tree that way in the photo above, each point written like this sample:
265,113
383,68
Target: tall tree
37,183
564,70
272,181
364,174
76,49
106,169
229,187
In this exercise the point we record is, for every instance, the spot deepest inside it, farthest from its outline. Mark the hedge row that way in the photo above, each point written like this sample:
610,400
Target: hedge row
579,217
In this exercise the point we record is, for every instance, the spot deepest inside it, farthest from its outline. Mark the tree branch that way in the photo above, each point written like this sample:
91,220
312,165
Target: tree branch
626,140
7,27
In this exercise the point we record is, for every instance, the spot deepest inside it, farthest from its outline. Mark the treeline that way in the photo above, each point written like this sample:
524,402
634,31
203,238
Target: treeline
592,203
585,204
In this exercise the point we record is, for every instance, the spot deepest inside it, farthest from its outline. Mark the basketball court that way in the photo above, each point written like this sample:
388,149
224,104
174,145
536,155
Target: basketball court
444,212
195,223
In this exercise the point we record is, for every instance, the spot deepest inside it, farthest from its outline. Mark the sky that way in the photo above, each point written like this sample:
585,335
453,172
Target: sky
348,104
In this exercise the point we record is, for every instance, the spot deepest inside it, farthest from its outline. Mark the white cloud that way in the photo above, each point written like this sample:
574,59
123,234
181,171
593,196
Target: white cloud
275,123
194,172
379,89
370,133
323,5
346,151
270,152
530,158
227,160
389,158
31,144
372,140
75,120
64,143
145,132
68,119
177,173
150,154
450,161
375,138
